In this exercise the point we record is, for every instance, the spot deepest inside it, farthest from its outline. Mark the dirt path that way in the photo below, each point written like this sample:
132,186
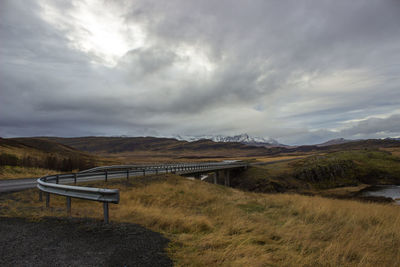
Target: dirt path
78,242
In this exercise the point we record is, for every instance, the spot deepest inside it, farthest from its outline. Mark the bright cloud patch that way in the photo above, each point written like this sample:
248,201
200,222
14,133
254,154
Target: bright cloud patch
95,29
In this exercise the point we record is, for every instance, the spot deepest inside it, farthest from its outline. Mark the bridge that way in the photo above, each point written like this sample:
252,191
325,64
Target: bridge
59,184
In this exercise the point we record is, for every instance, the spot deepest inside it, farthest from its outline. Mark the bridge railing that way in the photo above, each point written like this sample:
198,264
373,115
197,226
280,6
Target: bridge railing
168,167
58,184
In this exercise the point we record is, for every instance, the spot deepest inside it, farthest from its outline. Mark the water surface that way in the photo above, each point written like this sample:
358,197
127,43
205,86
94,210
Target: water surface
391,191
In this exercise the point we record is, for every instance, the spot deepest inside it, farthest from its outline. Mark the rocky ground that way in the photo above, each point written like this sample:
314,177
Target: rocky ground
79,242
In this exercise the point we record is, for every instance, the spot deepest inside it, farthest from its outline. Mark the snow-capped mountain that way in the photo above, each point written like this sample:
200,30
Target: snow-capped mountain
240,138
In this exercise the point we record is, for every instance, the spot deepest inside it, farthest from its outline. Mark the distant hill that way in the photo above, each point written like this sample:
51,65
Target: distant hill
368,143
174,146
345,145
42,153
336,142
150,149
158,145
117,144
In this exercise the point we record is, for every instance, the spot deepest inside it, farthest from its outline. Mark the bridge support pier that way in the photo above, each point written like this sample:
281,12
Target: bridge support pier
227,176
222,177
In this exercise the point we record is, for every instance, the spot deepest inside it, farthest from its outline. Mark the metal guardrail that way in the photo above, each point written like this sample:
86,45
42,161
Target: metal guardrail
51,184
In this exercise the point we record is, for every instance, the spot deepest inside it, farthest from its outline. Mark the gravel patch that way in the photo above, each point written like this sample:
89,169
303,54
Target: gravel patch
79,242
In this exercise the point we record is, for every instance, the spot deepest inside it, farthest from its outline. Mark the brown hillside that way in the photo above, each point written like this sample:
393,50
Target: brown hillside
158,145
23,156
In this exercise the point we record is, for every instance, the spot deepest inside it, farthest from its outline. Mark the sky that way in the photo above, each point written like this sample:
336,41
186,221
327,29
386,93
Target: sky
298,71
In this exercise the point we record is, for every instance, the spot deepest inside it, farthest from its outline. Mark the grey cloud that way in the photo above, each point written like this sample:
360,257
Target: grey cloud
147,61
367,128
390,125
258,51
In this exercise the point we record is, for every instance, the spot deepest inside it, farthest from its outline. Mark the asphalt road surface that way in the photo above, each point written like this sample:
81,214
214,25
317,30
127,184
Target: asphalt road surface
17,184
13,185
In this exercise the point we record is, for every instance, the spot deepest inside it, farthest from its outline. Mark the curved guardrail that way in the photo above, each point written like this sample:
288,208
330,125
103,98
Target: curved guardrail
58,184
50,185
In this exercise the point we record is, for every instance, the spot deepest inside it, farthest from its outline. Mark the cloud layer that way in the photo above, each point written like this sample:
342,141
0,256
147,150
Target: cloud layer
298,71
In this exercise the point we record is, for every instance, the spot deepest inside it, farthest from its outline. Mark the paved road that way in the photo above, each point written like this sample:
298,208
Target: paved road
17,184
13,185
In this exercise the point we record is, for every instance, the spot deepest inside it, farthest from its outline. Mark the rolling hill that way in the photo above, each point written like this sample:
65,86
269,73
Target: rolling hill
28,157
154,145
173,149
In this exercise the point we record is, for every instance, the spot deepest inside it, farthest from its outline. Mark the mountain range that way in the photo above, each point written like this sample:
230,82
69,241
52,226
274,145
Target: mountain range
240,138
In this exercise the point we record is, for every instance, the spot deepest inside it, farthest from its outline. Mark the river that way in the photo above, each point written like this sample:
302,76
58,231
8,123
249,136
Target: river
390,191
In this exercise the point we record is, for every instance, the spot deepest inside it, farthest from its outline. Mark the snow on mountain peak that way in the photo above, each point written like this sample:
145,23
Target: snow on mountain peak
240,138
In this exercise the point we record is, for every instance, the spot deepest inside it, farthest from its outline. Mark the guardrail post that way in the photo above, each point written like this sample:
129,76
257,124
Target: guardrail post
127,174
105,209
166,170
106,176
57,179
40,196
156,171
69,206
47,200
75,178
144,172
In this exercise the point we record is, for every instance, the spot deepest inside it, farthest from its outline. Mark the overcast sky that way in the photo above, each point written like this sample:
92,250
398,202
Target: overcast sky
298,71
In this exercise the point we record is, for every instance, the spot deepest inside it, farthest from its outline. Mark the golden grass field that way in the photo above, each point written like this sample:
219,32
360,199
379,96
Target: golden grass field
14,172
211,225
395,151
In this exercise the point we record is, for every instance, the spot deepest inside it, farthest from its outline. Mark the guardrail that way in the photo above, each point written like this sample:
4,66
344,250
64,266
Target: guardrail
57,184
50,185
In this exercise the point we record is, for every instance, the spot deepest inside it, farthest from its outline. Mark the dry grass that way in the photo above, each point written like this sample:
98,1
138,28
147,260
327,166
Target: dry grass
157,157
218,226
285,157
395,151
14,172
